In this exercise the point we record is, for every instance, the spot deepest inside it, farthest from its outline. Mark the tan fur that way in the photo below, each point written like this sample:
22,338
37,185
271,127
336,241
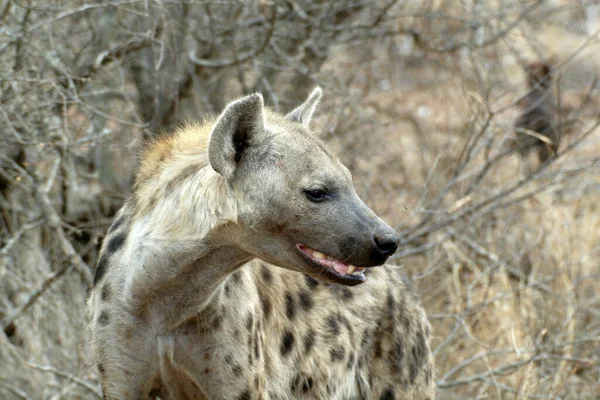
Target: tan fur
184,307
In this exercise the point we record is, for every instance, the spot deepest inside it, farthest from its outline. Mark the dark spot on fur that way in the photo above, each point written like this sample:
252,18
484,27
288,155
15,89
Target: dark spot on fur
105,294
237,277
249,322
237,370
115,243
290,306
117,223
413,370
306,300
250,360
101,368
337,354
246,394
266,306
256,382
10,330
309,340
421,346
266,273
398,352
350,363
333,325
228,359
347,294
388,394
378,335
390,302
396,356
103,318
311,282
227,289
346,323
287,343
418,352
377,347
100,269
307,385
256,349
366,336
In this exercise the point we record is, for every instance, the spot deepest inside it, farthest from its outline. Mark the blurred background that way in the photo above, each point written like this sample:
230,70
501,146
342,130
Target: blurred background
471,126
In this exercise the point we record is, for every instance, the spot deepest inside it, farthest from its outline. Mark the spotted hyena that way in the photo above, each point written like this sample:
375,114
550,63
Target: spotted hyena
536,125
242,267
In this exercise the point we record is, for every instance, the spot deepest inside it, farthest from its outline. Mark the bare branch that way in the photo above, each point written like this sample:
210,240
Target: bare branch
241,59
84,384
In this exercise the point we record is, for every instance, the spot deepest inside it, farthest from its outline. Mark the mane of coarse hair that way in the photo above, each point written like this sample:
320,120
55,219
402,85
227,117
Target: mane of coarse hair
158,149
174,174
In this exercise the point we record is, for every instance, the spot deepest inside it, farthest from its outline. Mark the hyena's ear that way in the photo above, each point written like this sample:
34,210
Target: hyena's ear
304,112
233,131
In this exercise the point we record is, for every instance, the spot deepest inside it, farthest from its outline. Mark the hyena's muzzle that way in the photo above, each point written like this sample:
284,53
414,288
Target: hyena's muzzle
355,239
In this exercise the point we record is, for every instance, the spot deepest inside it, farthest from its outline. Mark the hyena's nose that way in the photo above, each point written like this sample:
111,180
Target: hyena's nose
386,243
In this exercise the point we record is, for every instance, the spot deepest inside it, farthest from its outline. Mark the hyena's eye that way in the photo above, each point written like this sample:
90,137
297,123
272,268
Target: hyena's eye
317,195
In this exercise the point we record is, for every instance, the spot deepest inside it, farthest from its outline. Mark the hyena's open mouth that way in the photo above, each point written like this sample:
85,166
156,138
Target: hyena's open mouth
333,269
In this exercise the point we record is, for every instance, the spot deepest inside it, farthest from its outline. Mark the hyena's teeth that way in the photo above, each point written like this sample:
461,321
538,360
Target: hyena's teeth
350,269
318,255
357,270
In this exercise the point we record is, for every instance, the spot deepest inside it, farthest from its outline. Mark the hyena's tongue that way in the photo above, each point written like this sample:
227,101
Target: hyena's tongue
340,268
329,262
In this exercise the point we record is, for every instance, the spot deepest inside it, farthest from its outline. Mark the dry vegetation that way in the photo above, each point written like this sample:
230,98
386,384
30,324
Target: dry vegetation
420,97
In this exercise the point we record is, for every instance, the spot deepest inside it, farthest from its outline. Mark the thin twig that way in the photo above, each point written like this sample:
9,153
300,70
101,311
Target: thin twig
87,385
32,297
239,60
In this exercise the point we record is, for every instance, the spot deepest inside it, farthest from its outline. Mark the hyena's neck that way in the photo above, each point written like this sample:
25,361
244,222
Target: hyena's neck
176,252
171,281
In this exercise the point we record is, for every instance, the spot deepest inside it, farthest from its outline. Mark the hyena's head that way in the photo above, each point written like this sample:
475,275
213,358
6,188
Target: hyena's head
296,202
539,74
